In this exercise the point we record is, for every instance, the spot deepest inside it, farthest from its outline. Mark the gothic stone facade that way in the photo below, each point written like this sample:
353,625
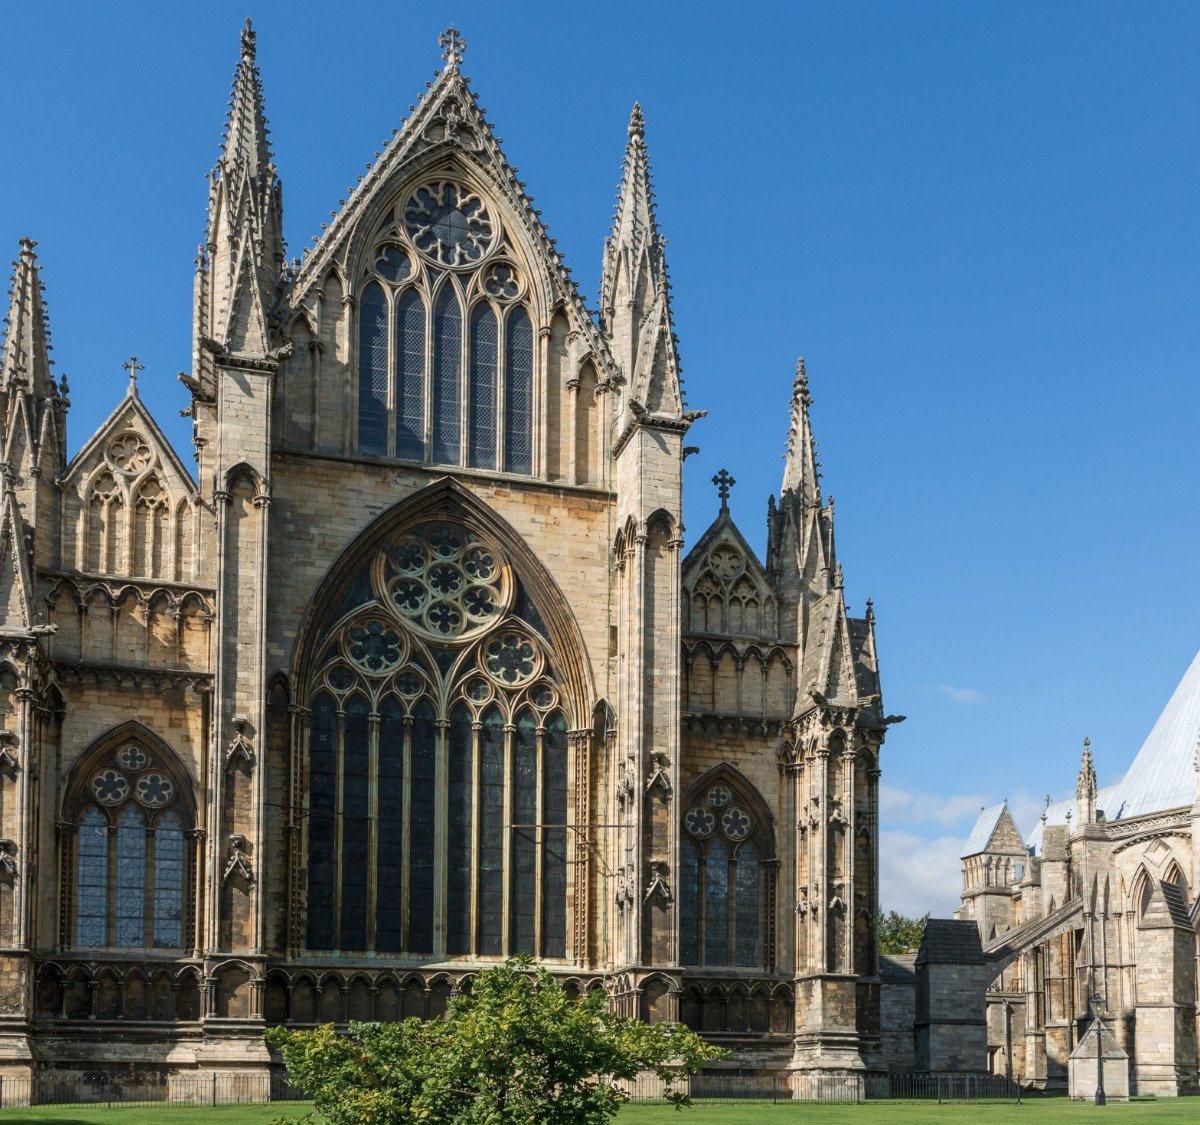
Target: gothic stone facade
1098,901
413,675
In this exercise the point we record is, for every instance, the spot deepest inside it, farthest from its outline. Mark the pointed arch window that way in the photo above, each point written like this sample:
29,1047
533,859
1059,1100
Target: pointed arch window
373,370
446,359
438,694
129,848
723,881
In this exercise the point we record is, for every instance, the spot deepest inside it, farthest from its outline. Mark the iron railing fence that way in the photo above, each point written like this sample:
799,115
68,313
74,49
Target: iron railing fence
49,1088
709,1086
732,1086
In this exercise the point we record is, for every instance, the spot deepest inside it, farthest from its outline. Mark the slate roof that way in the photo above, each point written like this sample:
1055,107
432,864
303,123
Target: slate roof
985,827
950,941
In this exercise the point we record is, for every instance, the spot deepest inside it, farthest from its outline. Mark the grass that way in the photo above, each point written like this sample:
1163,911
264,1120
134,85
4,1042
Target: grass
1033,1111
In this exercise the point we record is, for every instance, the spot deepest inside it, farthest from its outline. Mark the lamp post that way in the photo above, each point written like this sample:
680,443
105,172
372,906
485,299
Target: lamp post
1098,1006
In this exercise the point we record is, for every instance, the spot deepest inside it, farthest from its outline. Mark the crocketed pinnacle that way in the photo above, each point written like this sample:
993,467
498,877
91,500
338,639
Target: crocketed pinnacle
25,359
635,290
245,146
1085,786
800,472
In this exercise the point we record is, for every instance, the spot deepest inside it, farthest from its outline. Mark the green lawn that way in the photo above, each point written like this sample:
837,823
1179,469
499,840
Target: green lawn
1033,1111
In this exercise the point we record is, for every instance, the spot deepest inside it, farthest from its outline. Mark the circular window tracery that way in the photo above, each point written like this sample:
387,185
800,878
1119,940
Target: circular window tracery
715,810
129,454
511,659
110,787
375,646
444,583
154,790
449,224
392,263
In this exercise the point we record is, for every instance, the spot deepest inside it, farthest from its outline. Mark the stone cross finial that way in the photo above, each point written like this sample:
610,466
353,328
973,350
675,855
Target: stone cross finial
133,367
453,46
724,483
249,40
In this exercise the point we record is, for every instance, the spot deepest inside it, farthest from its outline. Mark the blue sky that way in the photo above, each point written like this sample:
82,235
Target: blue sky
978,222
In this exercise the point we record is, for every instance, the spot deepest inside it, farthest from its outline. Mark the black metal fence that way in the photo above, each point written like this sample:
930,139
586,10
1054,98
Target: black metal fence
716,1086
51,1088
709,1086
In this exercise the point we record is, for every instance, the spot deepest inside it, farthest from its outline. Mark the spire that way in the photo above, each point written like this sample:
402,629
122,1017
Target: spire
635,290
801,472
25,360
242,257
1085,786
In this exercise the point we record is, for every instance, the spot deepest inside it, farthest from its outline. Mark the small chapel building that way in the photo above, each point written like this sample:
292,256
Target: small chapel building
408,671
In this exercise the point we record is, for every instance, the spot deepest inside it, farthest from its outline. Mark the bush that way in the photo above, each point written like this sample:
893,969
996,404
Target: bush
514,1049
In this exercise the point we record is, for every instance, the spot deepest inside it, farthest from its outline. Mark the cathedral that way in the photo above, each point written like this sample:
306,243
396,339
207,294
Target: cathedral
405,670
1096,907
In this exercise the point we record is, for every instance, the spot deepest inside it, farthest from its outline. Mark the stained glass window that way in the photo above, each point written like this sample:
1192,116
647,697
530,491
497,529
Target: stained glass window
410,376
747,907
524,858
322,800
421,833
169,850
716,904
491,836
373,370
720,883
91,901
458,842
482,391
447,392
130,864
356,773
554,856
389,879
425,787
518,396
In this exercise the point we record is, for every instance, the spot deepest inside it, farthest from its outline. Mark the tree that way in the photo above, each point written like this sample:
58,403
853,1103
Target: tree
900,934
514,1049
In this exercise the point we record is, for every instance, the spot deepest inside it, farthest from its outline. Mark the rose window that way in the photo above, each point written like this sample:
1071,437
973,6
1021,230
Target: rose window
154,790
129,453
511,659
700,821
133,758
444,583
448,223
736,824
110,787
374,646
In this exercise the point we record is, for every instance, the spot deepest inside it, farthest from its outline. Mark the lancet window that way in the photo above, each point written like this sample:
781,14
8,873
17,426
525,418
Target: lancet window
445,340
723,883
130,853
437,759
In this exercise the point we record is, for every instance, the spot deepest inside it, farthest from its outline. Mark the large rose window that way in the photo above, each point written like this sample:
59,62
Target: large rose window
445,582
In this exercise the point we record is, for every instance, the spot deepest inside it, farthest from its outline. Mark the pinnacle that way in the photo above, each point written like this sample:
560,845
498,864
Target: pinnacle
637,122
248,41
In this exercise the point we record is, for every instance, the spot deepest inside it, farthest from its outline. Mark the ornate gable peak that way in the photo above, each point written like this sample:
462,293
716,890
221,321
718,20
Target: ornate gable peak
738,558
446,122
131,415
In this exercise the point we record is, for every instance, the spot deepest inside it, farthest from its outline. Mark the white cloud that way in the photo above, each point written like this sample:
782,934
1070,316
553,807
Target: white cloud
918,876
910,806
961,694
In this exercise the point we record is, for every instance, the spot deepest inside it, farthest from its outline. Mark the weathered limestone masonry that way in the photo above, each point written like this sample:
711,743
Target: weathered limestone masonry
413,675
1097,901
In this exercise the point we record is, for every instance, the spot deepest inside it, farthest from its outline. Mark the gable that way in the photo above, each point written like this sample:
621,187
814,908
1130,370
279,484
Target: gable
725,587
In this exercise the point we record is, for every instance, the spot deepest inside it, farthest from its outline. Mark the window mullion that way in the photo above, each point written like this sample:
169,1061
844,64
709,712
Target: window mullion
701,904
539,836
372,826
148,904
110,929
393,378
733,904
509,875
501,387
430,351
464,385
476,832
